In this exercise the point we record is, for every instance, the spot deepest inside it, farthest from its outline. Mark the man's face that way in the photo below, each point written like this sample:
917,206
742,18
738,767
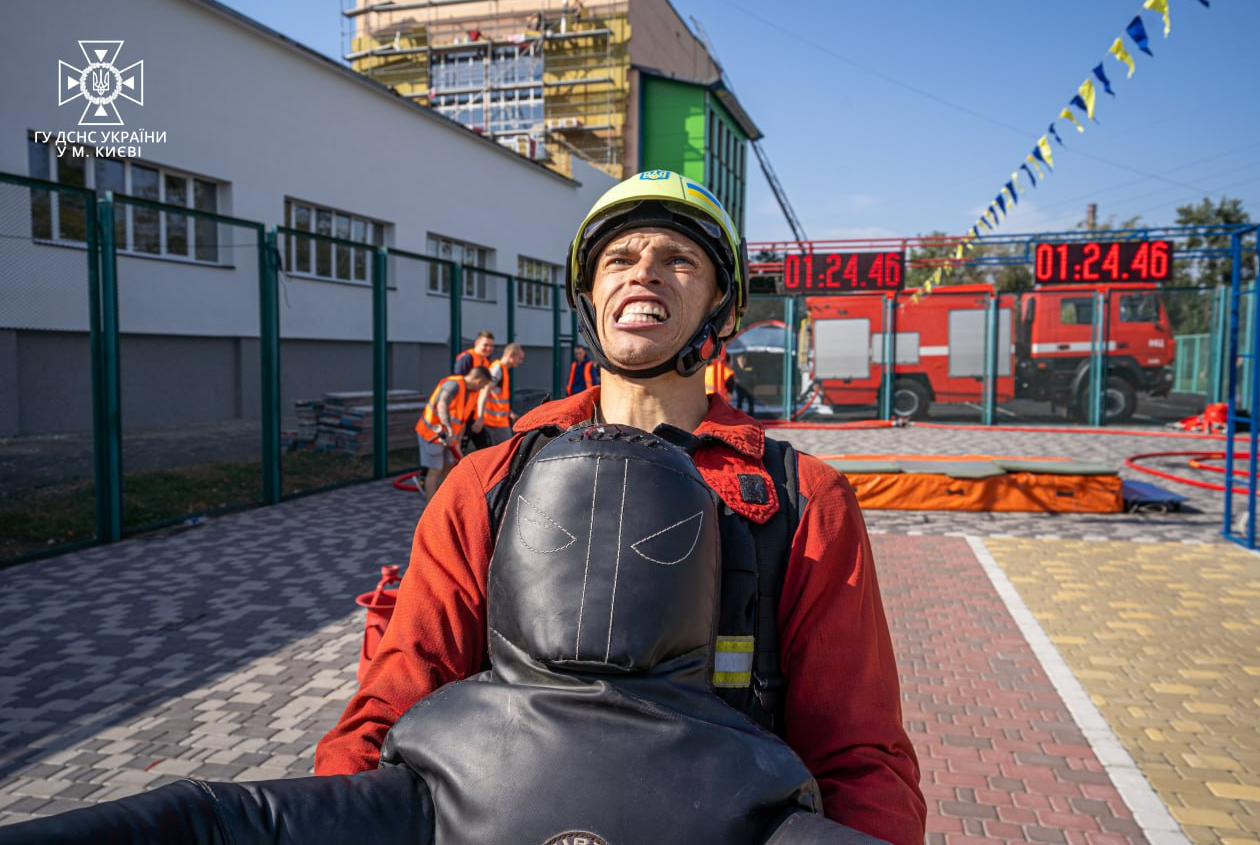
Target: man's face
475,383
579,354
484,346
515,359
651,289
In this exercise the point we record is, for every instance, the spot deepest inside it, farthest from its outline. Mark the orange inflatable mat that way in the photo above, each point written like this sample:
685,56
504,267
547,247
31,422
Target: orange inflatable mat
981,483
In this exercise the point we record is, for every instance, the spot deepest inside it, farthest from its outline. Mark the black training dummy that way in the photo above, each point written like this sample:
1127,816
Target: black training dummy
597,724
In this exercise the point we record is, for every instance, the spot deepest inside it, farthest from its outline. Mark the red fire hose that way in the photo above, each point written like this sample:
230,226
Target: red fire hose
1132,463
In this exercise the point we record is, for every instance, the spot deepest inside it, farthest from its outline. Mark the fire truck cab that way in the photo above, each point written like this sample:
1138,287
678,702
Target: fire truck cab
1043,347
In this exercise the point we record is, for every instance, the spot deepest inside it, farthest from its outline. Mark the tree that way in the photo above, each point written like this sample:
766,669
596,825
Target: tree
1215,268
1189,297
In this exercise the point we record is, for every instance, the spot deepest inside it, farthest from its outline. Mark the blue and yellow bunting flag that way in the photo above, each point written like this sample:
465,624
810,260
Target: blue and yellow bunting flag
1054,133
1206,3
1122,54
1160,6
1001,202
1137,31
1010,189
1068,114
1041,152
1028,170
1102,77
975,231
1089,96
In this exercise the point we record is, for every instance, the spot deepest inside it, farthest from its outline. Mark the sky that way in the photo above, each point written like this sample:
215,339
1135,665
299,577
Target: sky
891,118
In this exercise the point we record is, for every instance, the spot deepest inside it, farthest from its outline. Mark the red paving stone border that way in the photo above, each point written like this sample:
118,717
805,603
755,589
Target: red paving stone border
1002,760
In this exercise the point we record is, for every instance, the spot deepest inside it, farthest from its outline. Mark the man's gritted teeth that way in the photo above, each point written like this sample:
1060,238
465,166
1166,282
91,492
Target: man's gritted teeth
642,312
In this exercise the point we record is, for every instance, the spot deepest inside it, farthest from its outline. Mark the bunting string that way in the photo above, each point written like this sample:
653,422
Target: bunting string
1085,101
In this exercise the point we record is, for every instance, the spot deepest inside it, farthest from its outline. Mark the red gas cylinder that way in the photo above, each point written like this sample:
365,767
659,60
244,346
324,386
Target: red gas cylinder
380,607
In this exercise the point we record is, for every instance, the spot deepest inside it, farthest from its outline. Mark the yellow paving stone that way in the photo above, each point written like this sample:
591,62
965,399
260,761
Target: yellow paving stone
1068,640
1236,626
1233,840
1174,689
1136,712
1205,761
1208,708
1237,791
1186,726
1156,735
1199,674
1103,660
1094,674
1252,670
1206,818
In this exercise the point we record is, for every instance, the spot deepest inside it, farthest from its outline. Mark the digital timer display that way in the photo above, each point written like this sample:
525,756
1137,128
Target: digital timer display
1091,261
842,272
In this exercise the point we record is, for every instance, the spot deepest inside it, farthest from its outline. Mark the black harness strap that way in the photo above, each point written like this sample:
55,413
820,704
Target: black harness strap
773,541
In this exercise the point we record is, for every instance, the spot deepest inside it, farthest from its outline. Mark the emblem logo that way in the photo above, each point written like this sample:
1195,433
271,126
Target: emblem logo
100,83
576,837
653,175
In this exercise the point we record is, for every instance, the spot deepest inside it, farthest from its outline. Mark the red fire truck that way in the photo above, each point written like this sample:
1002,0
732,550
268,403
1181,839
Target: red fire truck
1044,342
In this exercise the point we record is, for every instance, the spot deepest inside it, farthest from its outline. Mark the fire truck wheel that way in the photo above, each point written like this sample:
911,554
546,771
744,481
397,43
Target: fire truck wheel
910,399
1121,400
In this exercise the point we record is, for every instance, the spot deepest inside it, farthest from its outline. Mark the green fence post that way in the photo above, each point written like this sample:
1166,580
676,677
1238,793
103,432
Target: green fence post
888,373
789,324
380,364
556,374
269,359
106,413
1097,361
457,319
990,358
1220,332
511,308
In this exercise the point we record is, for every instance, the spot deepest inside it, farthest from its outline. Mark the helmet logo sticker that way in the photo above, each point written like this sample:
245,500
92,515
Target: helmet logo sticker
653,175
699,191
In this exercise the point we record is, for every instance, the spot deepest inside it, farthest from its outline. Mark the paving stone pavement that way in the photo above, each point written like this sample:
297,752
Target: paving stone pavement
1167,643
225,650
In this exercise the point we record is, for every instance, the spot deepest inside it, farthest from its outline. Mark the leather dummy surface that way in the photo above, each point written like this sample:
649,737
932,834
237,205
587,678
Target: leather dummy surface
597,720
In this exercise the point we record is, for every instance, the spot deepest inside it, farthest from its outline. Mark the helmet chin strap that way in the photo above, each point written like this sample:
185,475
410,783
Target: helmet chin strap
699,350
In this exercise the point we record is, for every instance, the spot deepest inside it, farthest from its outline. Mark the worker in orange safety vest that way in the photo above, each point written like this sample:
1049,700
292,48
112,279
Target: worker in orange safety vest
494,404
442,422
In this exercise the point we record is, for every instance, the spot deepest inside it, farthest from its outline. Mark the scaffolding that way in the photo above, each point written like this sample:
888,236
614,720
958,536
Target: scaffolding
547,79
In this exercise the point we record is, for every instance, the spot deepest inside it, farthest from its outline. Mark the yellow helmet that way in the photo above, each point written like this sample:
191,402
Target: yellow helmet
661,198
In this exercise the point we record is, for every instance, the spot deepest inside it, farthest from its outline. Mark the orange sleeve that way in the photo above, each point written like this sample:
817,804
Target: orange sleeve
438,631
842,710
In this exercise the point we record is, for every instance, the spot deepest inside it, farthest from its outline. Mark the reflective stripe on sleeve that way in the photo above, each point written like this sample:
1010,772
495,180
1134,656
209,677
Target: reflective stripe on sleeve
733,661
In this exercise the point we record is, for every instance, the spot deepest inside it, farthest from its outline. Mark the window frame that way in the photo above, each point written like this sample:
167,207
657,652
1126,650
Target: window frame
200,236
532,290
309,258
476,289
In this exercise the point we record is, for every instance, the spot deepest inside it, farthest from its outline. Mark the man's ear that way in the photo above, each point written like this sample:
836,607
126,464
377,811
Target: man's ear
728,326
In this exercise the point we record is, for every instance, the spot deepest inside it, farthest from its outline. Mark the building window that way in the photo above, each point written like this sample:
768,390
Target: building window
143,231
506,102
325,260
725,160
471,256
535,282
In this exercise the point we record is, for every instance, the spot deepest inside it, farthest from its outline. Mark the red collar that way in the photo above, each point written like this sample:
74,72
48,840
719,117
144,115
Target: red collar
731,449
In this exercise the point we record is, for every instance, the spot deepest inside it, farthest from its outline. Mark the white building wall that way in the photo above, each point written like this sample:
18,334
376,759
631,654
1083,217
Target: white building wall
268,119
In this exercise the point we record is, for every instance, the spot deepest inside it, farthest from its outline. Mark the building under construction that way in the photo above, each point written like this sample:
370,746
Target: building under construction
622,84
